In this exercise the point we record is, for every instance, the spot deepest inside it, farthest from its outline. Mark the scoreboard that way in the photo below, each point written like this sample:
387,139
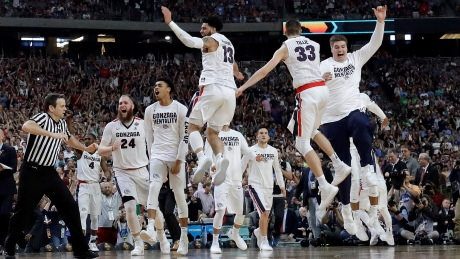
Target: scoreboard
342,27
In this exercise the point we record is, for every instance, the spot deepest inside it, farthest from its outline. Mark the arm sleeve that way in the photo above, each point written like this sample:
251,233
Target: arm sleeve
148,122
244,162
106,139
372,106
184,37
245,151
366,52
278,172
183,144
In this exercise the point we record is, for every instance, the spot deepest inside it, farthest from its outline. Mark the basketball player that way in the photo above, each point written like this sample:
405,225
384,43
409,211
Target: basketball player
165,126
261,183
301,55
124,138
358,196
216,104
229,195
343,117
89,196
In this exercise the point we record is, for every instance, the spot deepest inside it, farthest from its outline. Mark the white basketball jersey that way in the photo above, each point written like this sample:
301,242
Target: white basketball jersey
260,173
235,146
89,167
218,65
303,60
132,153
167,125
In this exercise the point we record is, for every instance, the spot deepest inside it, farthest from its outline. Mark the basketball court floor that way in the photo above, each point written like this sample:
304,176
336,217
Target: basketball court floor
356,252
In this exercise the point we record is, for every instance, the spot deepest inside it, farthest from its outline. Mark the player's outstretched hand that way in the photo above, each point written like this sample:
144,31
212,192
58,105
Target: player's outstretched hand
239,76
327,76
380,13
176,167
116,145
92,148
385,123
166,14
239,92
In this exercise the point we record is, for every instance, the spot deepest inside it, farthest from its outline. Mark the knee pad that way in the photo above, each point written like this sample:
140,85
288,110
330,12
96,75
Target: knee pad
354,193
126,199
218,219
239,220
303,145
373,191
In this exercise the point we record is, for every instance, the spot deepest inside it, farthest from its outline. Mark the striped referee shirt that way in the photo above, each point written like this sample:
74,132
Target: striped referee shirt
44,150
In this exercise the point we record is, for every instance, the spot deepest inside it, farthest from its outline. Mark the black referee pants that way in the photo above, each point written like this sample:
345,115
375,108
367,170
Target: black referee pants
278,213
167,203
34,182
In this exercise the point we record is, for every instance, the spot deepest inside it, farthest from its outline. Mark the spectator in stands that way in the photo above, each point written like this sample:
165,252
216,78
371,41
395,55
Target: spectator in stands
411,163
427,172
332,225
445,219
207,200
111,202
194,205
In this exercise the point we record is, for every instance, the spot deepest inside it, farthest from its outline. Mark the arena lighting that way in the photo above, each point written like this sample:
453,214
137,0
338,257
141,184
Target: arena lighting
407,37
62,44
33,38
106,39
167,38
79,39
101,35
450,36
343,27
392,37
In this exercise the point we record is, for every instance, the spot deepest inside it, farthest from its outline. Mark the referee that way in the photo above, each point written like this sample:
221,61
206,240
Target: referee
37,176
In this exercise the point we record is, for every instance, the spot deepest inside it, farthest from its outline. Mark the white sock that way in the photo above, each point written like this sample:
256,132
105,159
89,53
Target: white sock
387,218
335,158
151,223
215,238
364,217
264,238
183,231
322,181
196,142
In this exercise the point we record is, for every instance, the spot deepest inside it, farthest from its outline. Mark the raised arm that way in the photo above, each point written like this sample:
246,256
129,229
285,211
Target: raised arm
366,52
279,55
184,37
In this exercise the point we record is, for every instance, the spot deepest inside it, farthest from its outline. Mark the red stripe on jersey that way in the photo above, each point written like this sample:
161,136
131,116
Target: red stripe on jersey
299,118
308,86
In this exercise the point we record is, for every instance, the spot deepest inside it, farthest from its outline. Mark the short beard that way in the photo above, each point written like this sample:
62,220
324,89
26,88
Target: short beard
129,116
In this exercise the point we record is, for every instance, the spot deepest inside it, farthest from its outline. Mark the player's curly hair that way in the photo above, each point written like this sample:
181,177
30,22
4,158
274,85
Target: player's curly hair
168,81
214,21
